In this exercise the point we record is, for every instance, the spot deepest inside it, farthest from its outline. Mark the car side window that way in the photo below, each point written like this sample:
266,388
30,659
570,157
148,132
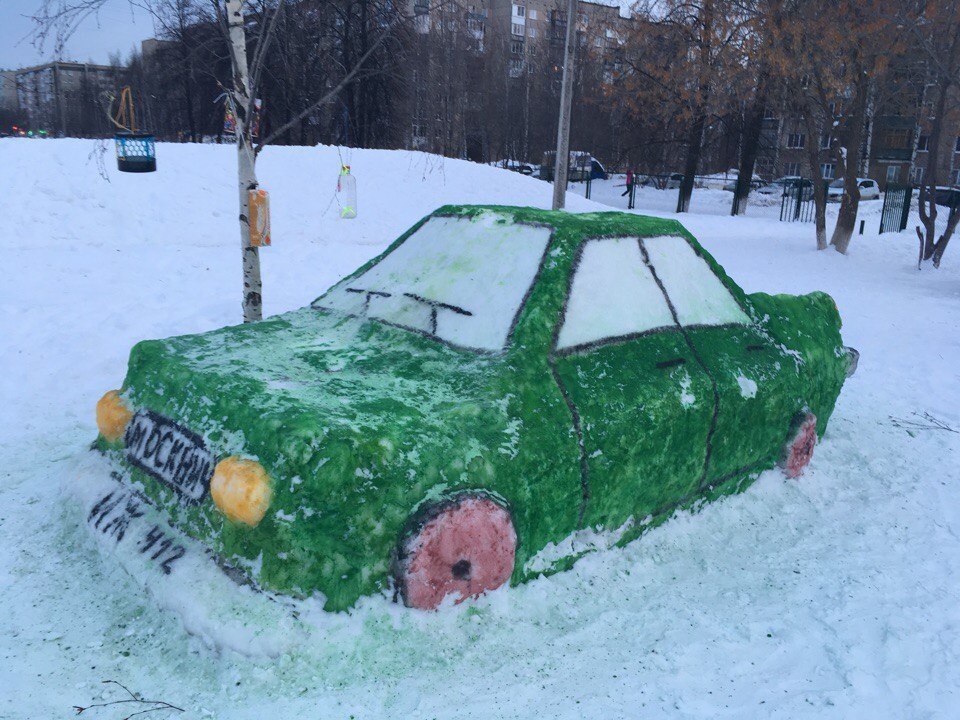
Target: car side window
613,296
697,295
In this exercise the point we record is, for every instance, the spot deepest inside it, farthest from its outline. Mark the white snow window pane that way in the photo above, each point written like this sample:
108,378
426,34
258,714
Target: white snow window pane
697,294
613,294
461,280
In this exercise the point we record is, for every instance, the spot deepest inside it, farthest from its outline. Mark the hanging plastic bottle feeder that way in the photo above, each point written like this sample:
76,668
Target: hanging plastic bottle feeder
347,193
136,152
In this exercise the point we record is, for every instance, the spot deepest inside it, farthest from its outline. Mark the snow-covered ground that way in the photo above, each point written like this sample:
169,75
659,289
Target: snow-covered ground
835,596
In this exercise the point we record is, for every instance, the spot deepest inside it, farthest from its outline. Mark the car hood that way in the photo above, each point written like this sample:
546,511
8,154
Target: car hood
310,366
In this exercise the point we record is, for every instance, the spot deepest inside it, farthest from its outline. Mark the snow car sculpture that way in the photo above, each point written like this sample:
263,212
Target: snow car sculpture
486,401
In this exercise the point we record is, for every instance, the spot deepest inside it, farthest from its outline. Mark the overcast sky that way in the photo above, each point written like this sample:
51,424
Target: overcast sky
118,26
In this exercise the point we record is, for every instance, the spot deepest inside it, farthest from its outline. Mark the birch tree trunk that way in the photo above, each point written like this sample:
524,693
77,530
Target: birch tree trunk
246,161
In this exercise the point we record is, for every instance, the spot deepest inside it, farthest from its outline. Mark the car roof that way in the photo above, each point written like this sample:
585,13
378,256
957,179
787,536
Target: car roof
572,228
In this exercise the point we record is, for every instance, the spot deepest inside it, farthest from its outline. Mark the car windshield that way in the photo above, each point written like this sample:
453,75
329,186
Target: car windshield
460,280
837,184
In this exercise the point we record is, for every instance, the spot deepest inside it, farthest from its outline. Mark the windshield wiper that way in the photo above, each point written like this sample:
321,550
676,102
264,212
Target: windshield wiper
434,306
369,294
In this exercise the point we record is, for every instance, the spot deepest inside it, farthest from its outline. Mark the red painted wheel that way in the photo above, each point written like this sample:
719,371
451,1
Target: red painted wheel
800,445
463,547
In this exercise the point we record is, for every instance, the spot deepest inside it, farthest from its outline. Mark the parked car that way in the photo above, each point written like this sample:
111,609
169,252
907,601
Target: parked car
667,181
947,196
869,190
582,166
755,184
446,417
514,165
778,186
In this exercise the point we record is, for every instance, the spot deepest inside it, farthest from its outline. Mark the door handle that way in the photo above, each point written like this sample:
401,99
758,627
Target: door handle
663,364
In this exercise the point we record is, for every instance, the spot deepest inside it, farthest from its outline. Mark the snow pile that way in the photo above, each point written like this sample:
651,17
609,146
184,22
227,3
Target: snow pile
829,597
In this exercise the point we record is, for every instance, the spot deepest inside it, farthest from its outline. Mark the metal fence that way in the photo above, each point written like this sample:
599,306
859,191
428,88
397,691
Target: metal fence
896,207
796,204
897,204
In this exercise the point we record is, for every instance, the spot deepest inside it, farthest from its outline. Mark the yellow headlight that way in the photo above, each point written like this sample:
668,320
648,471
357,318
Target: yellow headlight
112,416
241,489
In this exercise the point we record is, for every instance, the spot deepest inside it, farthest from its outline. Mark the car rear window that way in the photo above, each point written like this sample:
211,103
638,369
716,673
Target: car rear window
613,295
459,280
697,295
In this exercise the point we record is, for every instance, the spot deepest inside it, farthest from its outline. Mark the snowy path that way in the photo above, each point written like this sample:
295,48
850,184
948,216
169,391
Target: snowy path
831,597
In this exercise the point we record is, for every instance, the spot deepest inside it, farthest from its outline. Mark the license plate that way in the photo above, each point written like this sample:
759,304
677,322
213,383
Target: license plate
119,514
169,452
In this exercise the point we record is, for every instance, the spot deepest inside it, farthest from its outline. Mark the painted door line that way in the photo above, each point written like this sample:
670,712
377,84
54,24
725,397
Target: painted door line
696,355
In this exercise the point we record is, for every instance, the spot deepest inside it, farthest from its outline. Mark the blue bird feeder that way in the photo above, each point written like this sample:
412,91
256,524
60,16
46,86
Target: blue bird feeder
136,152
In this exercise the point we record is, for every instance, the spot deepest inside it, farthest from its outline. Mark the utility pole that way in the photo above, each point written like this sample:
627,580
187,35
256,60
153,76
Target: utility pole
566,99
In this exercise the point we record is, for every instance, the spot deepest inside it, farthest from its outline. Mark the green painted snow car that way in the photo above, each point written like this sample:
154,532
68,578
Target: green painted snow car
501,391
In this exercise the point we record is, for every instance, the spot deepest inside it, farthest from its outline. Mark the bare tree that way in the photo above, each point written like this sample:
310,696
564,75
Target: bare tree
178,21
691,49
935,29
57,20
868,45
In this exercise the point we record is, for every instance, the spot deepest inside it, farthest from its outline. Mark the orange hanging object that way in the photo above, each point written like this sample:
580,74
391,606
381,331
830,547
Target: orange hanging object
259,218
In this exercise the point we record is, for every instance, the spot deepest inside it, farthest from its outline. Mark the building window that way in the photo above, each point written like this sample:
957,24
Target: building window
956,147
517,29
825,141
917,178
791,169
923,143
893,173
956,176
796,141
516,47
827,170
531,33
519,10
533,14
898,139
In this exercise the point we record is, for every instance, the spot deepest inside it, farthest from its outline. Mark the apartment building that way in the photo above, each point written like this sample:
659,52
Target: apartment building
8,90
65,97
537,27
897,150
